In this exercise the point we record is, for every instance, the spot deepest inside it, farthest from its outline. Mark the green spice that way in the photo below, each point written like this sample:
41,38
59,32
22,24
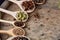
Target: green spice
21,16
59,4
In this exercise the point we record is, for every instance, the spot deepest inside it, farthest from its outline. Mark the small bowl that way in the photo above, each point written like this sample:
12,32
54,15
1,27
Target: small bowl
11,38
28,11
26,15
43,1
19,24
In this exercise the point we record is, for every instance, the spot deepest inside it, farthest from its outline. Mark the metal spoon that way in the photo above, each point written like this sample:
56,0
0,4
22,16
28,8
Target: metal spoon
13,32
14,23
14,14
19,3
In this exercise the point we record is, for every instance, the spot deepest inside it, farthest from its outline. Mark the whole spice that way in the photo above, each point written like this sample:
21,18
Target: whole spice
39,1
28,5
21,16
20,38
19,24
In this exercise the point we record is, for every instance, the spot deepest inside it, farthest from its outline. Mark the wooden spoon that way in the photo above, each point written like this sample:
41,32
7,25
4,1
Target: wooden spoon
19,3
14,23
14,14
15,31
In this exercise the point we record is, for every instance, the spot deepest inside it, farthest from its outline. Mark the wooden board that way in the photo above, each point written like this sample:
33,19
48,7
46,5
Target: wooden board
43,24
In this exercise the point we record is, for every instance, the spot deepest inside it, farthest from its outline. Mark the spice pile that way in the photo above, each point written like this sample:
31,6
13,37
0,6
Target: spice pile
19,24
28,5
39,1
19,38
21,16
18,31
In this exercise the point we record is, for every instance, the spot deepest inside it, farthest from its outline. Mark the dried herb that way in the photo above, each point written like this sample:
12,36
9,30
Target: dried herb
21,16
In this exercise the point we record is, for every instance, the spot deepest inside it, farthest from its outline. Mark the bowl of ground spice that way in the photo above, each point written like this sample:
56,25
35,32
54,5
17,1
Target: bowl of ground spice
19,38
39,1
28,6
19,24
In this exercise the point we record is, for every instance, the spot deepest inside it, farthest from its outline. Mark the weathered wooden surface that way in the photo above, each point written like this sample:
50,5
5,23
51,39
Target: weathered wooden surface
43,24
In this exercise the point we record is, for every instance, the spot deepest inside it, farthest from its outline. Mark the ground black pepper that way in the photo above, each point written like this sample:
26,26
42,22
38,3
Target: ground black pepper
39,1
20,38
19,24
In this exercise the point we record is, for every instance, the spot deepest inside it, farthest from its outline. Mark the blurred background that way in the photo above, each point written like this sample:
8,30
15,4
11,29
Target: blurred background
1,1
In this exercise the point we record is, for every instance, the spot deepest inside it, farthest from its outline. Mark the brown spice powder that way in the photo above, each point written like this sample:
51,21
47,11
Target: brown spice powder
18,31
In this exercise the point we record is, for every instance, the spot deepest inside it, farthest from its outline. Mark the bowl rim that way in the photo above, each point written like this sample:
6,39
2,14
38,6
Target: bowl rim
18,36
